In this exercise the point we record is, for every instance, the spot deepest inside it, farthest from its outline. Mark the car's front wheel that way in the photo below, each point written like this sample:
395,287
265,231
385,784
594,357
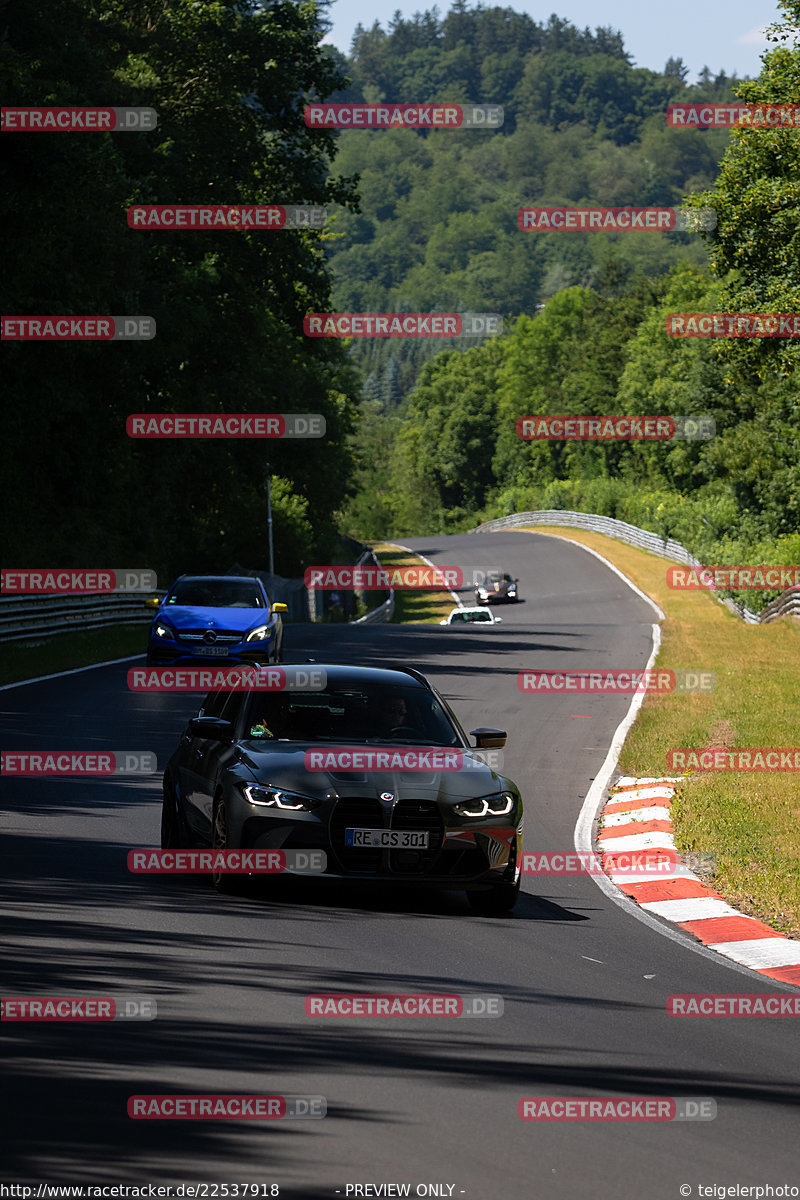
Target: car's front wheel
501,899
172,833
223,881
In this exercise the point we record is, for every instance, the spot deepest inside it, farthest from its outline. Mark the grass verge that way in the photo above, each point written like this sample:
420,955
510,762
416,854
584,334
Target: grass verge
413,608
750,821
65,651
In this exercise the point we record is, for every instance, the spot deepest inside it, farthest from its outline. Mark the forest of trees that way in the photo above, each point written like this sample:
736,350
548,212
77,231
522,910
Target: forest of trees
420,432
437,227
437,447
228,82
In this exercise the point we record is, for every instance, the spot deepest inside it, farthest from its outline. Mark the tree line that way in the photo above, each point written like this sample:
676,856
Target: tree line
588,335
228,82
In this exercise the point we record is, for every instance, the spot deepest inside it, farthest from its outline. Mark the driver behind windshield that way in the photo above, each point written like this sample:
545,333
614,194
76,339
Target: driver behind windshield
275,720
391,714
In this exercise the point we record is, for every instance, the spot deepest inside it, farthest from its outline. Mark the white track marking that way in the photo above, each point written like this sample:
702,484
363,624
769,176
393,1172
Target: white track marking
761,952
700,908
634,815
636,841
75,671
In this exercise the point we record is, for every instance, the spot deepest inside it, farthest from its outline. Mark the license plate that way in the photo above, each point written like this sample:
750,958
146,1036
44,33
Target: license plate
387,839
213,651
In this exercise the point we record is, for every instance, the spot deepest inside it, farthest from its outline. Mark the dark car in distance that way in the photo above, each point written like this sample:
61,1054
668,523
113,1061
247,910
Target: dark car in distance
497,588
239,780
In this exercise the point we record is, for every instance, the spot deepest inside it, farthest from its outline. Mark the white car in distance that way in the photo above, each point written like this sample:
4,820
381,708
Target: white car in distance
471,616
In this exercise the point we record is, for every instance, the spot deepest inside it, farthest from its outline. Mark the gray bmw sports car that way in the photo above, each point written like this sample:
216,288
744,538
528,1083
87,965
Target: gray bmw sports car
372,768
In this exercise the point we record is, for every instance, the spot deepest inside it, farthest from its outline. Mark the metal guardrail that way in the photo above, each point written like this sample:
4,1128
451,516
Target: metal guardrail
24,617
384,612
643,538
380,615
785,605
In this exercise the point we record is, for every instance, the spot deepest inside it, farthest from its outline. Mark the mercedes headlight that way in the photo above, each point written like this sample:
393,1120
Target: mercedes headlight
273,797
259,635
162,630
499,805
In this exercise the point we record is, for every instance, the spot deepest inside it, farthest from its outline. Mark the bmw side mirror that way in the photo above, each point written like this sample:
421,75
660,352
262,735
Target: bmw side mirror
489,739
213,728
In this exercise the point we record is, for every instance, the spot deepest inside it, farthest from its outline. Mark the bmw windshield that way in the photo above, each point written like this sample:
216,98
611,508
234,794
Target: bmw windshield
361,713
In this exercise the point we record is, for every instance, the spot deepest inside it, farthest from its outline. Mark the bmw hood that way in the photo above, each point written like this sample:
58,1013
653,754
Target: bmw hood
285,765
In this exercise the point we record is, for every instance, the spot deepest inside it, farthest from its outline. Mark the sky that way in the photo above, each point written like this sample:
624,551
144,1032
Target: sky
720,34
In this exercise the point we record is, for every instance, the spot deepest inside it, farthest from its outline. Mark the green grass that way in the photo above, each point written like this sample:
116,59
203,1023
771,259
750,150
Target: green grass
417,607
749,820
67,650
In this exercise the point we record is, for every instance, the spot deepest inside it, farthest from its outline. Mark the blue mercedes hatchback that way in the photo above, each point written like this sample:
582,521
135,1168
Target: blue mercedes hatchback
228,617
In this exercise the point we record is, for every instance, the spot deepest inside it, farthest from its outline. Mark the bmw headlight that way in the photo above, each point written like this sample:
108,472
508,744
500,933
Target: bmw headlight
499,805
266,796
482,592
162,630
259,635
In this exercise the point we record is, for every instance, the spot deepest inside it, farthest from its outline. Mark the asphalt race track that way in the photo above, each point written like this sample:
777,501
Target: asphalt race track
584,984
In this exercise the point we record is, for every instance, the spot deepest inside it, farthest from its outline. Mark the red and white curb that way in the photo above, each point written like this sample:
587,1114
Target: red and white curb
636,817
